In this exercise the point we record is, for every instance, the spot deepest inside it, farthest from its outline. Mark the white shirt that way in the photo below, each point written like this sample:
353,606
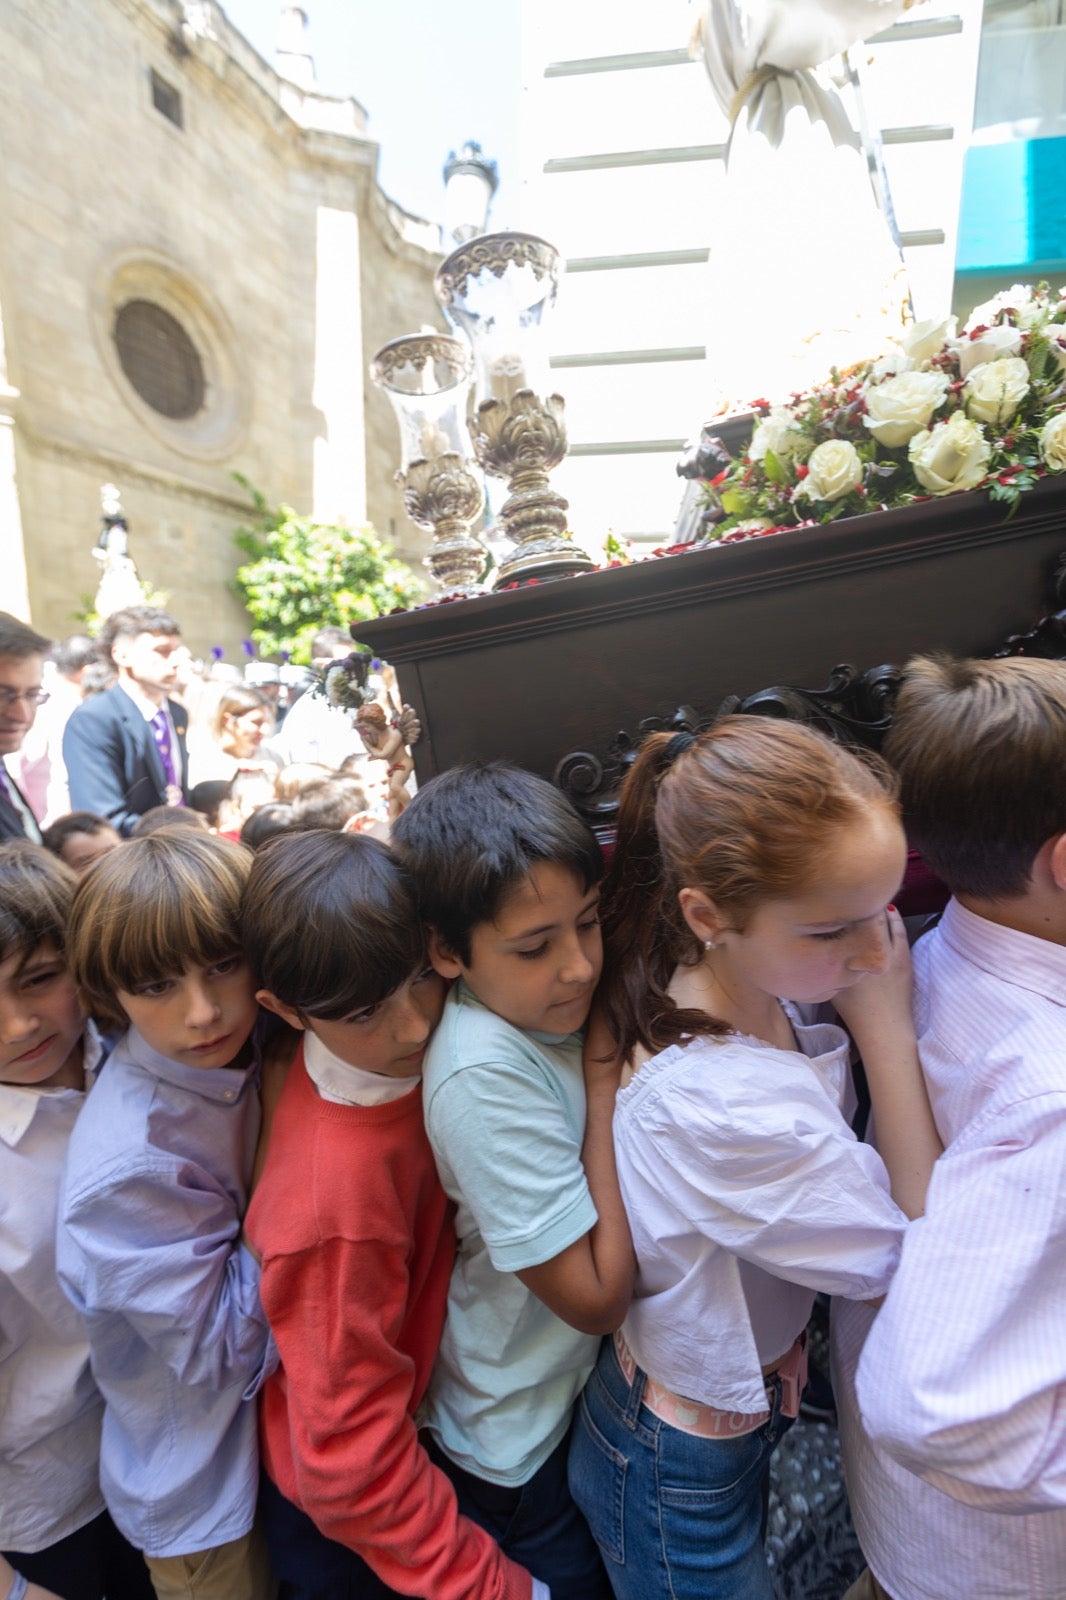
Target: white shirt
149,710
963,1374
747,1192
50,1409
344,1085
315,731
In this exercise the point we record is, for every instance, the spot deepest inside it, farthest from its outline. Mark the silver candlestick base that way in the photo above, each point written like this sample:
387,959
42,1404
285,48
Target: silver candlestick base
522,439
443,497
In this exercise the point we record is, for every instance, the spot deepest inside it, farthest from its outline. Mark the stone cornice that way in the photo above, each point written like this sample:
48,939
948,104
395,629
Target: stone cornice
128,471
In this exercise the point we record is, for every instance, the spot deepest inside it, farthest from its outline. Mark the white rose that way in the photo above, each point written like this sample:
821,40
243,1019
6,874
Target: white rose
1053,442
1019,297
834,470
898,408
989,346
951,456
777,432
1058,348
894,361
924,340
994,391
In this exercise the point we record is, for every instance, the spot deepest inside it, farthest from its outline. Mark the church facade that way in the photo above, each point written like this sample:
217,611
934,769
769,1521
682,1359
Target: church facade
196,263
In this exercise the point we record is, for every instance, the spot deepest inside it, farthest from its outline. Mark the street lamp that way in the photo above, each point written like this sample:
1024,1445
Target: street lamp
470,181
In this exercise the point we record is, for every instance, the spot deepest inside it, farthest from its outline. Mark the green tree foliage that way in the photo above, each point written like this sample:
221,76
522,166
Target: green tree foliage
303,575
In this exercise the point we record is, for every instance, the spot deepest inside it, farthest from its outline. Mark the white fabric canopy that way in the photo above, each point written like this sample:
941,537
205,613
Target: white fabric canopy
804,272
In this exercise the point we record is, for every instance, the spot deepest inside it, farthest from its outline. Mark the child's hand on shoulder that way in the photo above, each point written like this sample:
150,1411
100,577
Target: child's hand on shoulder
880,1001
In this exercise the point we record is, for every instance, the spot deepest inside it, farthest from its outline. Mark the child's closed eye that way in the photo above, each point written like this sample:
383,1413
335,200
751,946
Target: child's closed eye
831,933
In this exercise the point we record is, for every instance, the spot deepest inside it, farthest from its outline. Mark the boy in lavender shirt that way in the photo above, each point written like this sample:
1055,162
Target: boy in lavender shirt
156,1184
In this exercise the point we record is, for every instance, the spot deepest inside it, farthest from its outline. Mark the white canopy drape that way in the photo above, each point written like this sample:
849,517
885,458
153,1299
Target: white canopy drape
804,272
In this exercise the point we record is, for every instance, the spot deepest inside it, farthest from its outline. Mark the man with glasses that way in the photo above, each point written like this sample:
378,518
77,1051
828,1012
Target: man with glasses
22,653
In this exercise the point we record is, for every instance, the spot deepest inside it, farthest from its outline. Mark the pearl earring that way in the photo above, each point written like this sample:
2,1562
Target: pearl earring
708,944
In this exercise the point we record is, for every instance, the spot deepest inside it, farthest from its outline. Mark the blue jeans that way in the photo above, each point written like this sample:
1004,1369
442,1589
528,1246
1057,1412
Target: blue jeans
675,1516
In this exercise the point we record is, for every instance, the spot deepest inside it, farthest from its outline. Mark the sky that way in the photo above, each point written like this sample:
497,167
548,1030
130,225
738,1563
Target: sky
430,76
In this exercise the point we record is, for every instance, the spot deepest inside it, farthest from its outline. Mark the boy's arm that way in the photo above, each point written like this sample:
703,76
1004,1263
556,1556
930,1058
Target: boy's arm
963,1375
154,1244
590,1284
338,1310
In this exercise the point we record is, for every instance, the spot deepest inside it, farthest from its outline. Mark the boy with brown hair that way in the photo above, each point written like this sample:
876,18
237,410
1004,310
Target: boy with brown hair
157,1179
54,1526
952,1399
355,1237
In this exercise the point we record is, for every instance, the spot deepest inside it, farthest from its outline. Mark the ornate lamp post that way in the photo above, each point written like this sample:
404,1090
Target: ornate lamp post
427,377
497,289
470,181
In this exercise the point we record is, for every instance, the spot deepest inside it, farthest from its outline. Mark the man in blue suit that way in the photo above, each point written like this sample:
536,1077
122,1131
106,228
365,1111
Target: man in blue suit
22,653
125,749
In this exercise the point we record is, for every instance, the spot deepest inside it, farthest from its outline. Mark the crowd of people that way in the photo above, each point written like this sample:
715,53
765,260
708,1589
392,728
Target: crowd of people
126,730
441,1213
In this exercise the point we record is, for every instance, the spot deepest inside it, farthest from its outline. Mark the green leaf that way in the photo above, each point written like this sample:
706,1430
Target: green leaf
775,469
736,502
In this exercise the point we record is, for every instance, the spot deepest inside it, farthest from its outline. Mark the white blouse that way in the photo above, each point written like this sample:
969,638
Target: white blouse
747,1193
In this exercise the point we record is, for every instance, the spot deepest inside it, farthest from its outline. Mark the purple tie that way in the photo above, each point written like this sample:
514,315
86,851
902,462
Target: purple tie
160,726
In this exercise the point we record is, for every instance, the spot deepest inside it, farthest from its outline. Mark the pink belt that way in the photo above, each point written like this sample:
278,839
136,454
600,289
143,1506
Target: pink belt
708,1422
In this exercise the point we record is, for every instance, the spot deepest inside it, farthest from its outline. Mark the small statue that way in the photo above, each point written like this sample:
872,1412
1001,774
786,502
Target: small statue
388,741
119,584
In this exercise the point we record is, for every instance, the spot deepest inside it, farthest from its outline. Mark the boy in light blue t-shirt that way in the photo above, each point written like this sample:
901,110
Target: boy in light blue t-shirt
508,881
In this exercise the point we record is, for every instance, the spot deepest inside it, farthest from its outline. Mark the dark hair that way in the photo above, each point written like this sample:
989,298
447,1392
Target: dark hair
35,895
980,747
72,654
266,822
207,798
473,833
360,903
98,676
157,817
151,909
74,822
131,621
19,639
328,803
746,813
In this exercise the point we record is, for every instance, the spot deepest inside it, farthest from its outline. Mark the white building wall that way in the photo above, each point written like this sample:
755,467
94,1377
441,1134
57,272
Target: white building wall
623,170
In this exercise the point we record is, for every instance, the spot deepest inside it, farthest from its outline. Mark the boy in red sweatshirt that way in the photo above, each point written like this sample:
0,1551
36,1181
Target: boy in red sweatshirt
356,1238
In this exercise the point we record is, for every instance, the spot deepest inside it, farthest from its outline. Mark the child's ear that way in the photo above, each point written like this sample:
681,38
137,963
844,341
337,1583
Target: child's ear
1057,860
441,958
289,1014
701,914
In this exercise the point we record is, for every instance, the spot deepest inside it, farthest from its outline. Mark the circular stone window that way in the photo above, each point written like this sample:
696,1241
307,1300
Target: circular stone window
159,359
172,353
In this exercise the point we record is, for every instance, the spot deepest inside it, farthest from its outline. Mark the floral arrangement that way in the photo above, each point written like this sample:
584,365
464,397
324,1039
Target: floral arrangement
937,415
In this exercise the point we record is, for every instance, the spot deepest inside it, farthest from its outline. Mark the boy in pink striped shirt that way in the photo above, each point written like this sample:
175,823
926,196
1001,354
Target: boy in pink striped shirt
952,1398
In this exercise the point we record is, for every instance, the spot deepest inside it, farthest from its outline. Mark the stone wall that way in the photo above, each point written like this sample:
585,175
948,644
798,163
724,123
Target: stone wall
259,226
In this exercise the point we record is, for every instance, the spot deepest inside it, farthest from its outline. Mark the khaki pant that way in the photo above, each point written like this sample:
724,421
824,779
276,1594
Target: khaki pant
866,1587
235,1571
